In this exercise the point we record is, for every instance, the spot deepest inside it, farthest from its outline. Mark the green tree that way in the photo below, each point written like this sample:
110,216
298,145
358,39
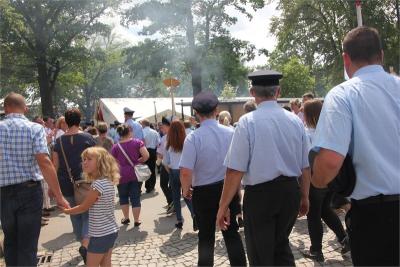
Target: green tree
196,22
48,33
313,30
228,92
296,79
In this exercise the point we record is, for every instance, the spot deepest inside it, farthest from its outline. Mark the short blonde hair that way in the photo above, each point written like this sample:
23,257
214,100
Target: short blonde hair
296,102
107,166
59,121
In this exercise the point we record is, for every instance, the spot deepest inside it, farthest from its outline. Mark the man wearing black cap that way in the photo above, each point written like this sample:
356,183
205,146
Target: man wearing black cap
202,168
136,128
269,150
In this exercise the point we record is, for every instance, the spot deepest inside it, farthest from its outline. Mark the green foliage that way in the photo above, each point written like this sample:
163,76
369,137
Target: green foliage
228,92
199,27
313,30
296,79
50,35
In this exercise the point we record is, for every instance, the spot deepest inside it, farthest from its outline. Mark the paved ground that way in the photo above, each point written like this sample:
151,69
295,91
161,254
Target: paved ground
158,243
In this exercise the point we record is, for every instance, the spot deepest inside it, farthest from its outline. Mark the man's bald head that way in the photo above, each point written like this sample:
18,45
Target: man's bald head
14,103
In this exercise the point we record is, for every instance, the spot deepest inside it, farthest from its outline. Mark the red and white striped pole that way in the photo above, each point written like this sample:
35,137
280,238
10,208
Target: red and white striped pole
359,15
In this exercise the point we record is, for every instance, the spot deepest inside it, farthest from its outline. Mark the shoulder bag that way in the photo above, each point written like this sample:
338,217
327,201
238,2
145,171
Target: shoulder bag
142,171
81,187
345,181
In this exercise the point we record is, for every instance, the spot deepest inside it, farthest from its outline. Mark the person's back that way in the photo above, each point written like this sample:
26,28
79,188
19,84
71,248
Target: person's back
19,142
373,99
73,146
277,131
361,117
212,142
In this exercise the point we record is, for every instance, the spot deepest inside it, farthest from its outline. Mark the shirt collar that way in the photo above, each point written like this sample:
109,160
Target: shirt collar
209,122
368,69
267,104
16,116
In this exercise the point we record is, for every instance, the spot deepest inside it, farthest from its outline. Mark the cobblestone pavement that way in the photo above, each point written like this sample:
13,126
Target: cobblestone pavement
180,249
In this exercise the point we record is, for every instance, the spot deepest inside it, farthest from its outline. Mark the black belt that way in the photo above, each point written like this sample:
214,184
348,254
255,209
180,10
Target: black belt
206,185
376,199
29,183
280,178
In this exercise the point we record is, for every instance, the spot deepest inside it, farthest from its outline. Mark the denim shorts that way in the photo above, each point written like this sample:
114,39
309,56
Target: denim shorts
102,244
129,191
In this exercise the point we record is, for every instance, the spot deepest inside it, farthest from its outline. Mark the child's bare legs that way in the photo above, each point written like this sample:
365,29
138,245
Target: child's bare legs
106,261
95,259
125,211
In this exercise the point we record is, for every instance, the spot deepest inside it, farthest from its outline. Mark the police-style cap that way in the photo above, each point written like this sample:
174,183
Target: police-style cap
128,110
165,121
265,77
205,102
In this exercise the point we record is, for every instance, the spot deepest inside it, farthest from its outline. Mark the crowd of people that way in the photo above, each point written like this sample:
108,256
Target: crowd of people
209,161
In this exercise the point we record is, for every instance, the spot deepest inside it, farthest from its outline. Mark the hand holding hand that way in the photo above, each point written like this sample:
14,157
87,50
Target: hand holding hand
62,203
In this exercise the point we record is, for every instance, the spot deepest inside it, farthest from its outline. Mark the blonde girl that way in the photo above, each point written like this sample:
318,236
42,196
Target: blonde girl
100,168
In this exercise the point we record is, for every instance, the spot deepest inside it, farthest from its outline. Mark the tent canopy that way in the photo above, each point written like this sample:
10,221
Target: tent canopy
111,109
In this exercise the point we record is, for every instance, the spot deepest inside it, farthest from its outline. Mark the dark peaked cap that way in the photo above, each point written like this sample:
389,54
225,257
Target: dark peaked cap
265,77
205,102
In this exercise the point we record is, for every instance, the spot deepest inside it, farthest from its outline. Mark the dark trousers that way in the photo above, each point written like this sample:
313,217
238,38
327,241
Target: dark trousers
151,162
320,208
270,211
205,206
374,233
21,214
164,184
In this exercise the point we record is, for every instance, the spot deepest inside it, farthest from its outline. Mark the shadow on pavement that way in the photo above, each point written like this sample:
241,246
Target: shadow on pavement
144,196
60,242
73,262
164,225
132,236
178,245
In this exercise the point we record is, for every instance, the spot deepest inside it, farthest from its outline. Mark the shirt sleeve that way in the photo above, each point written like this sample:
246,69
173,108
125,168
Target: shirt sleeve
167,158
98,186
238,156
188,158
305,148
334,127
39,141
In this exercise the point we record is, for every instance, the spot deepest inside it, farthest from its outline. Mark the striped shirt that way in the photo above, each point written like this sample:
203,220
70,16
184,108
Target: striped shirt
20,141
101,214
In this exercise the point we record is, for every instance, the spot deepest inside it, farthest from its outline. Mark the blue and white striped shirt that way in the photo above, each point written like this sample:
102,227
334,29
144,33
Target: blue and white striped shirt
20,141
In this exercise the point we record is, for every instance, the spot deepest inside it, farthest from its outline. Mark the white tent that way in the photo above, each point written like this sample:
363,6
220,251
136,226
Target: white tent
111,109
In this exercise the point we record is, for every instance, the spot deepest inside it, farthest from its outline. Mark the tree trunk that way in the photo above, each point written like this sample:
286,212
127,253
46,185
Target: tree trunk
194,63
46,94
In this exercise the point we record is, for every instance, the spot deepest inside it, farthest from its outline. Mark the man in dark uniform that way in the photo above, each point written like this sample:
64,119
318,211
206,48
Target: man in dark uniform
202,168
269,148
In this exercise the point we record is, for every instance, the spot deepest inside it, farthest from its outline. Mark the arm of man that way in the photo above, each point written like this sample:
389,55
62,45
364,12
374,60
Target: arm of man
90,199
186,182
231,185
304,189
50,175
326,166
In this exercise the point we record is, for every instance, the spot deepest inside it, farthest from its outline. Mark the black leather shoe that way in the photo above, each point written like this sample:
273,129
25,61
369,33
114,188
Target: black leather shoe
195,227
317,256
125,221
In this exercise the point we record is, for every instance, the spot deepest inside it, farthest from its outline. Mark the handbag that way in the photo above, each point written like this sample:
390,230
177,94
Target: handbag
81,187
142,171
345,181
